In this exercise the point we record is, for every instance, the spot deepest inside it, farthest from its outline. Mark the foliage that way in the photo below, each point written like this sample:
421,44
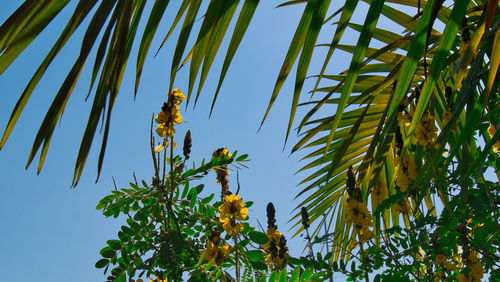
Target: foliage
173,232
412,124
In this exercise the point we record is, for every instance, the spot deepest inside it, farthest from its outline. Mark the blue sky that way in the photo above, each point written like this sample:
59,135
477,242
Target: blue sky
52,232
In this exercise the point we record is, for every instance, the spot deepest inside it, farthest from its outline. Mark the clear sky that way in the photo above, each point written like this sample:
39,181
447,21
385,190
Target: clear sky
51,232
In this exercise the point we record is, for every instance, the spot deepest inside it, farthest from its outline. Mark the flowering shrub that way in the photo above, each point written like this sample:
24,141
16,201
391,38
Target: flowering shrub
172,233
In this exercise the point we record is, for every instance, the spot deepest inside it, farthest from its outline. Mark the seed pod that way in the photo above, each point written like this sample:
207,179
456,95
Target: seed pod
186,150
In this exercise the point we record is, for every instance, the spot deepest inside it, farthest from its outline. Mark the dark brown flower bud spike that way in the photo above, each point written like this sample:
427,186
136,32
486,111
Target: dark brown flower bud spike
465,31
350,181
305,217
283,249
305,223
399,140
271,215
186,149
448,94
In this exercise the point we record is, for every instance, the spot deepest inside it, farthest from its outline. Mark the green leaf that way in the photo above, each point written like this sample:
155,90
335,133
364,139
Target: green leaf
258,237
242,157
359,53
244,19
157,13
306,276
207,199
107,252
295,274
293,51
102,263
306,55
445,44
114,244
254,255
259,265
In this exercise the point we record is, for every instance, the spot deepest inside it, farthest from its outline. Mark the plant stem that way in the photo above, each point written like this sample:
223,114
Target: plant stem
309,242
151,144
171,167
363,260
237,258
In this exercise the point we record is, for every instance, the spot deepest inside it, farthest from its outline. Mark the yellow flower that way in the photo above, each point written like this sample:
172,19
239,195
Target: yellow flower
233,207
177,96
274,237
158,148
219,255
221,152
462,278
426,131
446,117
169,131
403,207
476,271
491,131
231,227
210,251
358,213
440,259
177,118
365,234
161,117
275,249
224,251
161,130
450,266
406,172
379,193
165,131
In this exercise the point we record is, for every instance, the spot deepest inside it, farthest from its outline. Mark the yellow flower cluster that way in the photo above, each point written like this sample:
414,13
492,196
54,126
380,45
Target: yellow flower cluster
358,213
446,117
426,131
169,115
233,209
222,171
213,252
223,153
275,249
403,207
476,270
406,172
491,131
379,193
218,254
441,260
404,120
274,237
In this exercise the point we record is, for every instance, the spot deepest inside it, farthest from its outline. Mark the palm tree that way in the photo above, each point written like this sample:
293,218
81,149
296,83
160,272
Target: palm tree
384,106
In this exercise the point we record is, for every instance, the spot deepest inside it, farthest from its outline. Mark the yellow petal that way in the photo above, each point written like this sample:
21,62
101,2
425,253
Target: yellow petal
161,130
161,117
158,148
